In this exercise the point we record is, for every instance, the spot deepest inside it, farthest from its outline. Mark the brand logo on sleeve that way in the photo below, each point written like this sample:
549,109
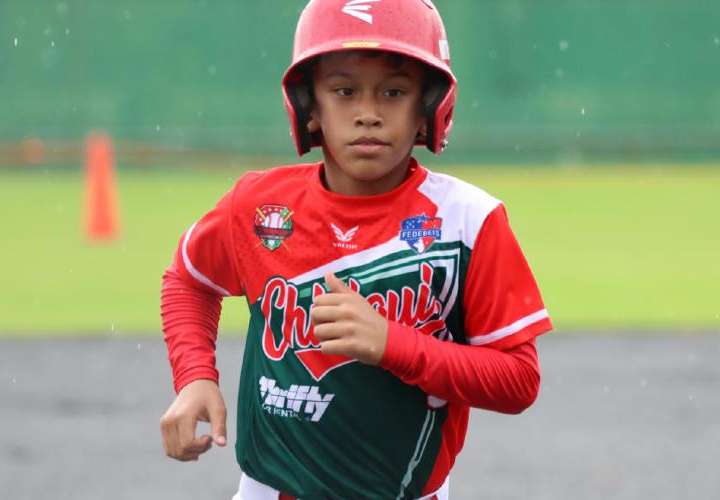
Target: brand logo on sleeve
302,402
420,232
359,9
273,225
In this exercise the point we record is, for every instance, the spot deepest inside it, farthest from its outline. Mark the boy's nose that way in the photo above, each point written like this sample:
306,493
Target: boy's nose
367,115
368,119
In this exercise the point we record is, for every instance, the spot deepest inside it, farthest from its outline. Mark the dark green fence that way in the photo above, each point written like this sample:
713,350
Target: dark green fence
540,79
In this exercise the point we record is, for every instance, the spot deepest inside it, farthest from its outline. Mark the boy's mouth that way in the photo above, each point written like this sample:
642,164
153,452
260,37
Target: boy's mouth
368,141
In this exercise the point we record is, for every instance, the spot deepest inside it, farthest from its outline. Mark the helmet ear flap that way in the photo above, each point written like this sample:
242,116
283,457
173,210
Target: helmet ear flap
301,101
435,90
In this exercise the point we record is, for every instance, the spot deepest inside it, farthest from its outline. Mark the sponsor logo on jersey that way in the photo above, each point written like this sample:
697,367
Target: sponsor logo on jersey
344,238
359,9
302,402
279,304
273,225
420,232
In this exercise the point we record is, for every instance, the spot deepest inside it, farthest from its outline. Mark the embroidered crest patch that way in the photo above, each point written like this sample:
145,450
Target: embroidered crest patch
273,224
421,232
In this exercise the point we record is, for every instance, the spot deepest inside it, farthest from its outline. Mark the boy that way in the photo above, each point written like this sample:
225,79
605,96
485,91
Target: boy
385,299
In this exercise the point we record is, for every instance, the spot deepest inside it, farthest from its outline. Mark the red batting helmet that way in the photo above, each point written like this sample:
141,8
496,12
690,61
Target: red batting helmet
409,27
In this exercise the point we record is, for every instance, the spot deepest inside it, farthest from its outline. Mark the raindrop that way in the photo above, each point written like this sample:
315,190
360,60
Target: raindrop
15,42
67,31
48,31
716,40
564,45
582,111
691,397
14,380
139,346
52,43
157,128
112,327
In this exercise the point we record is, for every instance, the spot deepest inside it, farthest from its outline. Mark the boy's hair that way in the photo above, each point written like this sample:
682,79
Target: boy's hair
434,86
405,28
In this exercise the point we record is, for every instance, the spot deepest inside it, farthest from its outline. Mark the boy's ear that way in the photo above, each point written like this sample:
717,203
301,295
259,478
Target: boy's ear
423,131
313,125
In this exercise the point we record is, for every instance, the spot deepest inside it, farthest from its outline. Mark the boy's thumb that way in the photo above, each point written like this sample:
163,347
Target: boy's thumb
217,425
335,284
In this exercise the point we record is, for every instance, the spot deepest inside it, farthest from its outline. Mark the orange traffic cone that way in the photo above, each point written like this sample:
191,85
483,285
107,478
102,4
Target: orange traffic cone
101,200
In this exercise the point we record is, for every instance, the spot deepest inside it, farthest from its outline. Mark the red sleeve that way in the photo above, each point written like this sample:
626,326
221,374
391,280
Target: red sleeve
204,270
503,306
206,256
190,319
502,381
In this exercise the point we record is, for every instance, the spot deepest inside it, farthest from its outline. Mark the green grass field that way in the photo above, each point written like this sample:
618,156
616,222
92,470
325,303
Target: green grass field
612,247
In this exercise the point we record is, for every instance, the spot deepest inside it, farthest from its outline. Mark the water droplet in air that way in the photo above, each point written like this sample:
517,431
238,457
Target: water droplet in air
14,380
564,45
52,43
582,111
67,31
139,346
716,40
15,42
157,128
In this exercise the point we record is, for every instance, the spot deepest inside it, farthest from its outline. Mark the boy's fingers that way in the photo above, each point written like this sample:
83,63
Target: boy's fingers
189,444
218,416
324,314
334,346
329,299
335,285
330,331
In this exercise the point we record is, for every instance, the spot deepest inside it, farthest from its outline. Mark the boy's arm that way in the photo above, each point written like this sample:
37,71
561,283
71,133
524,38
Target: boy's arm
190,320
203,271
503,381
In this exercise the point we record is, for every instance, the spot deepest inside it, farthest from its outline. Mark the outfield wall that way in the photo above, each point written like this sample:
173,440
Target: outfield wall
575,79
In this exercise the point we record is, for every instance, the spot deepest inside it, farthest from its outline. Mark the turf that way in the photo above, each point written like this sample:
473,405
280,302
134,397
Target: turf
612,248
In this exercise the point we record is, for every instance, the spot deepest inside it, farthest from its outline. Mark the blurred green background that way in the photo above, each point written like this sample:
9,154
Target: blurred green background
598,123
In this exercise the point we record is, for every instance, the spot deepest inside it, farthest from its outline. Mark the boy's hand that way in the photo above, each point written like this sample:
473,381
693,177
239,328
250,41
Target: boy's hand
200,400
346,324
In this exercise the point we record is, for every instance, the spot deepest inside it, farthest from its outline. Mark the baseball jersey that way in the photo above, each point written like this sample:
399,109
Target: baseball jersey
435,254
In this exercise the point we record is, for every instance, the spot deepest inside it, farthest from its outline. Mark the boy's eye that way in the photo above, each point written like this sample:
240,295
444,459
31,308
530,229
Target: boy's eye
394,93
344,91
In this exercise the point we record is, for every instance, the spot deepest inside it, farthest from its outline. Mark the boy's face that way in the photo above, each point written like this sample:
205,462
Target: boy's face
368,108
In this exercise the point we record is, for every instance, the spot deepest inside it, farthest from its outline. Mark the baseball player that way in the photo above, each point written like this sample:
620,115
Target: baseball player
385,300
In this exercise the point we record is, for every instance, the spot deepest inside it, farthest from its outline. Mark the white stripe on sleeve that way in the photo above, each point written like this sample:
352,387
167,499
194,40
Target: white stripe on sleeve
194,272
510,329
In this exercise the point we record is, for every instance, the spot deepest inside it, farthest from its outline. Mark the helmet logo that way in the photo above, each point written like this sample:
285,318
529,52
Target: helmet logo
359,9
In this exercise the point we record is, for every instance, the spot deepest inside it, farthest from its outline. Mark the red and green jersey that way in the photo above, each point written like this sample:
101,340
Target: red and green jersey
435,254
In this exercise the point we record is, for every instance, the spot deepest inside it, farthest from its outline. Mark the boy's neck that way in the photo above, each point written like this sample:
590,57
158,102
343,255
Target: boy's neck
336,180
